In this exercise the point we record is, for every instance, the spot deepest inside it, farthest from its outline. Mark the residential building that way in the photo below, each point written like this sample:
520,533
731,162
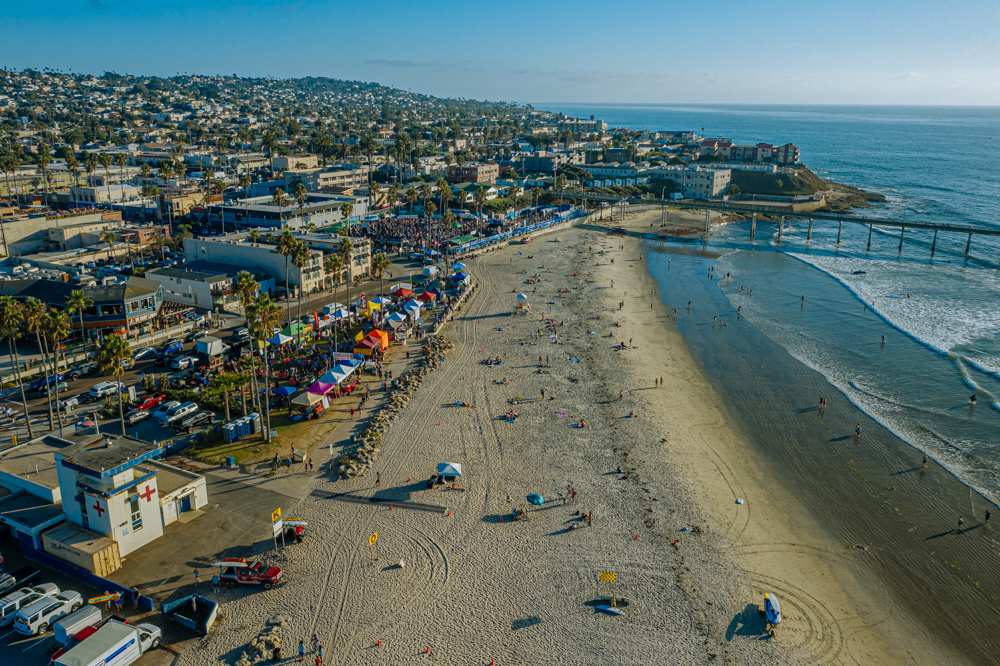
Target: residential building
474,173
25,233
131,306
327,178
319,209
281,163
618,155
205,290
331,243
698,182
237,251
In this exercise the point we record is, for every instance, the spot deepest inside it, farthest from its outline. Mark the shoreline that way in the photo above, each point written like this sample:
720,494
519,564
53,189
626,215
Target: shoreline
904,624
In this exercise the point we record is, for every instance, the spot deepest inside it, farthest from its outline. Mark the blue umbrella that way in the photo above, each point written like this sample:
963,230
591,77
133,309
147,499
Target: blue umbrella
285,390
536,499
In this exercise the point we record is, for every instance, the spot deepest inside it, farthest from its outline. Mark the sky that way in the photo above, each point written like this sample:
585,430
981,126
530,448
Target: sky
623,51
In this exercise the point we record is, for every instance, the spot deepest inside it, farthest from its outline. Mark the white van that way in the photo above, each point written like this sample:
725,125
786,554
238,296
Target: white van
18,599
37,617
102,389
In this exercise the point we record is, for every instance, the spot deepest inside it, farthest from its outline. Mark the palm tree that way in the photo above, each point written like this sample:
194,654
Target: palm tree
380,261
411,198
479,196
223,384
286,247
44,158
444,192
112,355
76,303
35,317
108,236
333,265
346,252
74,168
300,257
11,327
264,314
374,192
122,159
57,329
105,160
279,197
246,289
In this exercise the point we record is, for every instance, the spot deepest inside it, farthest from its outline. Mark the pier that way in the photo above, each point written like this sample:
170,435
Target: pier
782,216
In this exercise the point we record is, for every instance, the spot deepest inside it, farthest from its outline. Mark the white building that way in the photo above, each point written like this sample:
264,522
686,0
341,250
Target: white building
105,194
697,182
200,289
236,250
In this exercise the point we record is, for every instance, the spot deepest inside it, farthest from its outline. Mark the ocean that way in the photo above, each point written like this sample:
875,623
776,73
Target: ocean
830,306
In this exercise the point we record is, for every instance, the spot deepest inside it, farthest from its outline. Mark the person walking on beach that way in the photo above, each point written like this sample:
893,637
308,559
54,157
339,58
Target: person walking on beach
986,518
961,524
302,649
857,434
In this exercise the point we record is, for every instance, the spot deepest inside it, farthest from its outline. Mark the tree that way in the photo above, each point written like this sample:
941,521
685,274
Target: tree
346,210
380,262
35,318
112,355
278,198
411,198
444,192
480,198
44,158
108,236
301,257
246,290
74,169
263,316
11,327
346,252
333,264
222,385
300,198
286,248
105,160
57,329
76,303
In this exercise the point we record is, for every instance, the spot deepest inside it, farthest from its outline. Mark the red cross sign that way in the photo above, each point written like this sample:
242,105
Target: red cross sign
98,508
147,494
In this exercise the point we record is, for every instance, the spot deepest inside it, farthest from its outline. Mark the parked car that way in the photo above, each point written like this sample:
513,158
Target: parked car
162,412
182,362
196,419
18,599
171,348
181,411
36,618
69,403
102,389
242,334
151,402
144,353
134,416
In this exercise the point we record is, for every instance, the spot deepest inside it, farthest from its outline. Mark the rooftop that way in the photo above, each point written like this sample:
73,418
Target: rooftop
28,510
35,460
168,477
109,454
190,274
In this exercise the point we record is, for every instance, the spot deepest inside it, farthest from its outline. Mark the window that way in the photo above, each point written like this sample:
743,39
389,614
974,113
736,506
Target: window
136,514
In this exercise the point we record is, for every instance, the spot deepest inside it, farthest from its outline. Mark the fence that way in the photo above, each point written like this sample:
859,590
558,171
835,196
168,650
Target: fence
131,596
472,246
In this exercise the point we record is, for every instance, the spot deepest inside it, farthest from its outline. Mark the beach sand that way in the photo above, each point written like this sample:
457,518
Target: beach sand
691,563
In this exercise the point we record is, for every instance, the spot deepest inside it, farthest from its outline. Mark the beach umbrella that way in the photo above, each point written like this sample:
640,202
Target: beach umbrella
459,276
449,469
536,499
772,608
458,266
522,297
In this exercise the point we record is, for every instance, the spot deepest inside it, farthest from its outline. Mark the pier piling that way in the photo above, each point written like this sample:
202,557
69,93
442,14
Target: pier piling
753,227
934,244
902,230
809,232
968,244
840,229
869,246
781,227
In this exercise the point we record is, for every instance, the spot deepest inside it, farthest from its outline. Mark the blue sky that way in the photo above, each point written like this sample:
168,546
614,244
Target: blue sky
752,51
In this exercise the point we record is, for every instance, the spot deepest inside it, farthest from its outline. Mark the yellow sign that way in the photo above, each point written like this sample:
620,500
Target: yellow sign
276,515
373,539
104,597
608,577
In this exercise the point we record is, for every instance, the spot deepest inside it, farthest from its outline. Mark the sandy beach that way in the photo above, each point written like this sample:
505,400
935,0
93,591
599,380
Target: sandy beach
452,580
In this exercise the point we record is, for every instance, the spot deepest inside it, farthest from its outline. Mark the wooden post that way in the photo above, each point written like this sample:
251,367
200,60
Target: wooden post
781,227
809,232
840,229
707,221
934,243
869,247
968,244
753,227
902,230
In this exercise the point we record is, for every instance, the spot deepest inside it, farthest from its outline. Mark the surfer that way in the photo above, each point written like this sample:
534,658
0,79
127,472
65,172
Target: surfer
972,401
882,344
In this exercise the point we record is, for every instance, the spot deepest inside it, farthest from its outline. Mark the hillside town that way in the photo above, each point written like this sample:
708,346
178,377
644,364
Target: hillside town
195,268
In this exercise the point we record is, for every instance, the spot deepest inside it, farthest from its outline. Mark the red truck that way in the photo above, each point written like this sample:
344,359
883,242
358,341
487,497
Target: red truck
239,571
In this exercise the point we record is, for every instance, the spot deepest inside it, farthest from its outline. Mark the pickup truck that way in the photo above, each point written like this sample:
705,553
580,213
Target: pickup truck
193,611
238,571
114,644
